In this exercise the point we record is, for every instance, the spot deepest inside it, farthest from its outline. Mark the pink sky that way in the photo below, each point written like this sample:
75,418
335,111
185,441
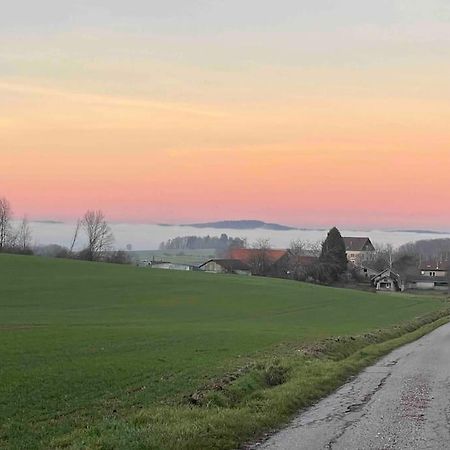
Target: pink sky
306,115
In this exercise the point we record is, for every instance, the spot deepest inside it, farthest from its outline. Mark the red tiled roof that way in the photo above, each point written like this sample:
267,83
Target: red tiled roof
246,255
305,260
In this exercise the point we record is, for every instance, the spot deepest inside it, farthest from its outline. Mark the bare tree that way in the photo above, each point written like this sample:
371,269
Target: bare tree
297,247
5,222
75,235
260,261
314,248
382,258
23,236
100,237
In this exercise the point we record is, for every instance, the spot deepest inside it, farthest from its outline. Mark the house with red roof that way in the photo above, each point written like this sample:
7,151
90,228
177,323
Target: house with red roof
248,255
272,262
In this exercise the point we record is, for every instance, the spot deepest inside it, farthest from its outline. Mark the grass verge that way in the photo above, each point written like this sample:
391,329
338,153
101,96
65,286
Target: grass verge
263,395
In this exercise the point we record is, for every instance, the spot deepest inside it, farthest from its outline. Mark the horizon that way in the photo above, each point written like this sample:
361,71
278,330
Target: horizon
291,112
293,226
146,236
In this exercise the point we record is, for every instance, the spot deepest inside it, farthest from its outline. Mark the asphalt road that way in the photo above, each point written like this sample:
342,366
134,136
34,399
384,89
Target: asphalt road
402,402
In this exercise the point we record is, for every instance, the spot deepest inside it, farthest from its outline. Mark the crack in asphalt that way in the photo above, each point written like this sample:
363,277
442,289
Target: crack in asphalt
355,408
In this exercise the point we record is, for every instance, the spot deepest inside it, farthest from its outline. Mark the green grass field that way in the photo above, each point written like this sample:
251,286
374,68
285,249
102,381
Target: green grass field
102,356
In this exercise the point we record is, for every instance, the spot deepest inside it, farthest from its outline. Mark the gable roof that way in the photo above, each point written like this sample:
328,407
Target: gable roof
228,264
386,273
247,255
358,244
435,265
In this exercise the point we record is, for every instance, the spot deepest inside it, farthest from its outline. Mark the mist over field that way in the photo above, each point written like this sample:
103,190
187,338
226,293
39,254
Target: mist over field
149,236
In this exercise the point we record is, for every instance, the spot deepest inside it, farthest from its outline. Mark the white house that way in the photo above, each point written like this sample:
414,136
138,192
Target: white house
434,269
358,248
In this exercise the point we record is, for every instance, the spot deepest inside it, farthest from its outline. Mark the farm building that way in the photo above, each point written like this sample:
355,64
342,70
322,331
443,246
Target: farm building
427,283
358,248
432,275
272,262
249,255
262,261
226,266
387,281
171,266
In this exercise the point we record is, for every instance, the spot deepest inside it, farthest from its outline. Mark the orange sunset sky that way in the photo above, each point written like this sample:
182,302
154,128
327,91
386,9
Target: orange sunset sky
305,113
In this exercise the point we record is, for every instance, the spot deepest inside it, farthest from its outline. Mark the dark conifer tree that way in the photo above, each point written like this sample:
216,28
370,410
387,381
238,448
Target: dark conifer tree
333,253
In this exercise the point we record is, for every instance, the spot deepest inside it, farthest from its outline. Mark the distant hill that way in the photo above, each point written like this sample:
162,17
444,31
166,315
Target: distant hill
241,225
54,222
420,231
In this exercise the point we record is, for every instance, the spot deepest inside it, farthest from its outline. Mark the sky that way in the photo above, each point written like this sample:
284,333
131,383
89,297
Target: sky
309,113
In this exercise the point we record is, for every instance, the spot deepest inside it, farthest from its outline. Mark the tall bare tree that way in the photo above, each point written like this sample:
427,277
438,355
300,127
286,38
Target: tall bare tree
5,222
297,247
23,235
100,237
382,258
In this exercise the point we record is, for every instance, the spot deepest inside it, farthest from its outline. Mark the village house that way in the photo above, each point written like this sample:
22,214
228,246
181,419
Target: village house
234,266
434,269
387,281
272,262
427,283
261,261
432,275
248,255
358,248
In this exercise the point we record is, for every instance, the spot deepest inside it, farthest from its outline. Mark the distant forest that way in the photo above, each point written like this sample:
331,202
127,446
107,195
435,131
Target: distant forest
223,242
428,249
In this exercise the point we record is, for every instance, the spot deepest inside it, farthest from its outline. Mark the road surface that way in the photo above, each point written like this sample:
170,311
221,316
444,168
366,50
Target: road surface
402,402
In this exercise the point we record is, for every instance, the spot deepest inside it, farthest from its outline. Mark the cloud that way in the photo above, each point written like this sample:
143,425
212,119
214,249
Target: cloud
107,100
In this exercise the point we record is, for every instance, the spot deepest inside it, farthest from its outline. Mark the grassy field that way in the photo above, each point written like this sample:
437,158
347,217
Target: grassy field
105,356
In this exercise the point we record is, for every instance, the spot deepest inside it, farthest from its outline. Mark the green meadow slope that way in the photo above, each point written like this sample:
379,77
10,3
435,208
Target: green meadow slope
86,349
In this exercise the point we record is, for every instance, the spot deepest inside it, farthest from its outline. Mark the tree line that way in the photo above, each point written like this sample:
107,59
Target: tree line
93,225
13,239
222,243
428,249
